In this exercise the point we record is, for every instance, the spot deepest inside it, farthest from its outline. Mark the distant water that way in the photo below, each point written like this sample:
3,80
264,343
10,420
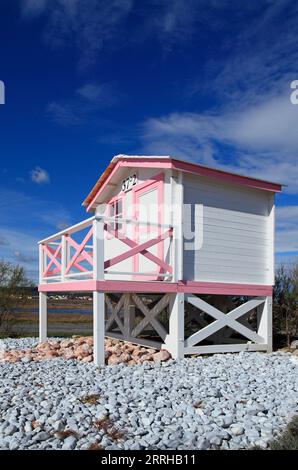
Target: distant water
56,310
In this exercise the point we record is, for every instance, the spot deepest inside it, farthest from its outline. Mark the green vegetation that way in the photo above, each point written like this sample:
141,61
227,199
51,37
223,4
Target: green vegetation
285,303
13,294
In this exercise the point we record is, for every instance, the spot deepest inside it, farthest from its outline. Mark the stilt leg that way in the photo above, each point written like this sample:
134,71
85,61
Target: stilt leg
265,322
174,342
42,317
99,328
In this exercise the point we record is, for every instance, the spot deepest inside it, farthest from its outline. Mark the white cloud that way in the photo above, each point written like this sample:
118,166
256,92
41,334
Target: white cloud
286,239
261,140
40,176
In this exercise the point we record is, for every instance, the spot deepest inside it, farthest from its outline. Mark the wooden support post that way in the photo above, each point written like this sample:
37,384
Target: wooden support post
99,328
98,250
42,317
174,341
265,322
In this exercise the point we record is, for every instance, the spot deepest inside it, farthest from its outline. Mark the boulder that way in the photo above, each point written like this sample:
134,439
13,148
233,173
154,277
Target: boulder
50,355
114,360
162,356
124,357
83,350
66,344
87,359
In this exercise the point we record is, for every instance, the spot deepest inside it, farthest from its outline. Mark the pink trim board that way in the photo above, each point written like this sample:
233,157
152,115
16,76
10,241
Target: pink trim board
215,288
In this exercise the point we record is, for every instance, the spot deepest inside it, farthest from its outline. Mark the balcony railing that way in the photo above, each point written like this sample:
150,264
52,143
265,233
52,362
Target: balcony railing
80,252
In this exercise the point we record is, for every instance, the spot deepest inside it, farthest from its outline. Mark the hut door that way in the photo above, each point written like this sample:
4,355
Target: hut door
148,203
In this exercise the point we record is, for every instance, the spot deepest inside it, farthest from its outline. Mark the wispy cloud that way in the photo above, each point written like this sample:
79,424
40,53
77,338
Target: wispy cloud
18,239
89,24
26,255
96,93
287,229
34,7
44,214
23,258
94,26
3,241
65,114
251,124
20,179
83,105
40,176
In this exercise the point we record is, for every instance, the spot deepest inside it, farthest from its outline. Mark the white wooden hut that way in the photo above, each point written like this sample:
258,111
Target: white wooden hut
168,237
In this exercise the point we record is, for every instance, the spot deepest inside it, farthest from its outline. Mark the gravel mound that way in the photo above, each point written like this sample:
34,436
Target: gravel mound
228,401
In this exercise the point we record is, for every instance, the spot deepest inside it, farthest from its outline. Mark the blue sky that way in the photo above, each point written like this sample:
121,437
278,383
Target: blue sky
208,81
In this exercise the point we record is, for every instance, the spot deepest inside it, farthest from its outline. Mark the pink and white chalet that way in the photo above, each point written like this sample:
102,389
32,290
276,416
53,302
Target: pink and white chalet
167,247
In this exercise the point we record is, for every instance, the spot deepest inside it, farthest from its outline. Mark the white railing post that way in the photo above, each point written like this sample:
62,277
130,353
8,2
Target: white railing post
63,257
98,297
98,249
41,263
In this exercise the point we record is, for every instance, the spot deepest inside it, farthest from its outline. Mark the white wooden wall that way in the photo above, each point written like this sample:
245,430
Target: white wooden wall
237,233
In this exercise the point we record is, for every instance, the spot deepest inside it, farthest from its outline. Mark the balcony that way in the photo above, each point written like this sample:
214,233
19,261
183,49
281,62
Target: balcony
105,248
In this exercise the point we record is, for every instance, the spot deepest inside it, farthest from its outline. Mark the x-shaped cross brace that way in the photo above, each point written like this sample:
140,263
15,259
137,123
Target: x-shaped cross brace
222,320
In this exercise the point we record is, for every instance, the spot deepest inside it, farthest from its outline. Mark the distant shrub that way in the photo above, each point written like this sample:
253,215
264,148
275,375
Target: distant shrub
14,286
285,302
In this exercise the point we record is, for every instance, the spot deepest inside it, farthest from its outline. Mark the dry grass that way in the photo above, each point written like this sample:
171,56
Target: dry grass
116,434
90,399
104,423
107,424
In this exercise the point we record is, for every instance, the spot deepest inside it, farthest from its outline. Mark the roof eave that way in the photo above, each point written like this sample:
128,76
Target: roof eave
180,165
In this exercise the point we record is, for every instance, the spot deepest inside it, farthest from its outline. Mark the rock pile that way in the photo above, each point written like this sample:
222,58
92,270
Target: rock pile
81,348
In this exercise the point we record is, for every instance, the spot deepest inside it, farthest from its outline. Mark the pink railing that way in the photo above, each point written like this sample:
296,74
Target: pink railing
79,251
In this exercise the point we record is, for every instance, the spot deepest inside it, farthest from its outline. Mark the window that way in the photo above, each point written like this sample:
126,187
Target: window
116,211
